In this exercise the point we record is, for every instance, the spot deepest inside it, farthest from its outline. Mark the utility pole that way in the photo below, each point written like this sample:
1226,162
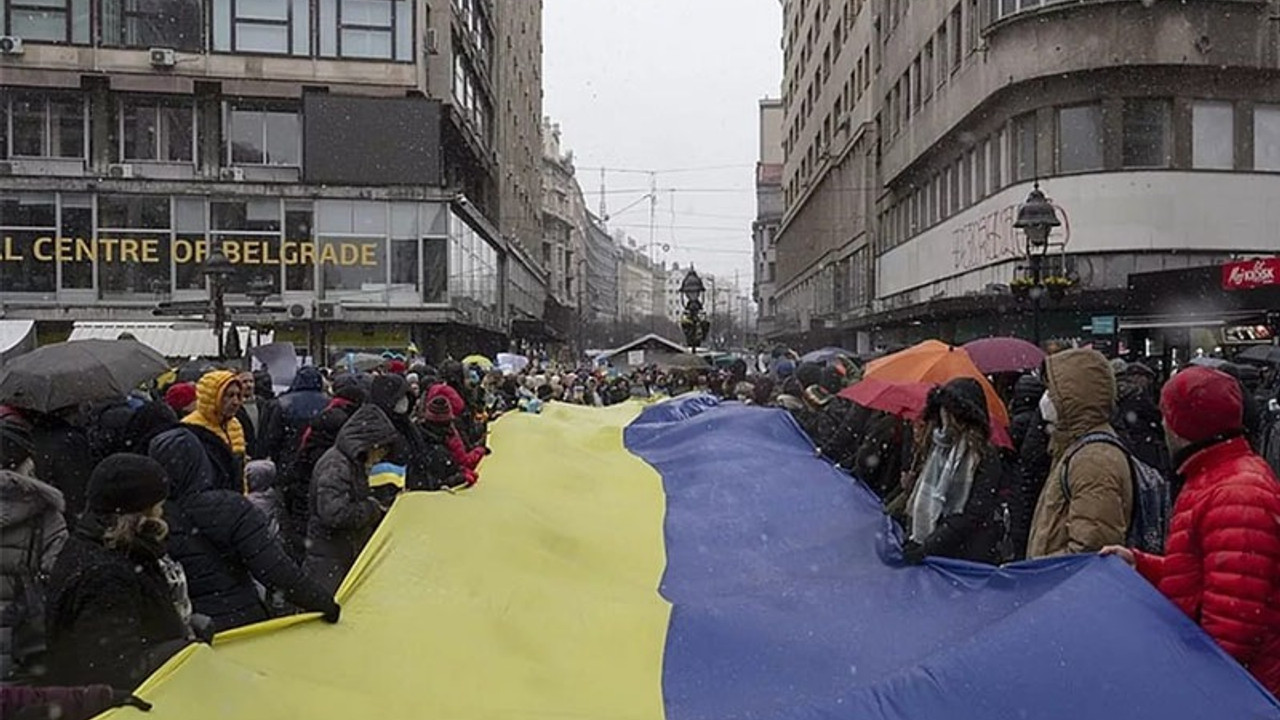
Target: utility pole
604,202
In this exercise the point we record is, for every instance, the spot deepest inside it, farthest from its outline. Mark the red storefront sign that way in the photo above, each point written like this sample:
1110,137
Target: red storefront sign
1250,274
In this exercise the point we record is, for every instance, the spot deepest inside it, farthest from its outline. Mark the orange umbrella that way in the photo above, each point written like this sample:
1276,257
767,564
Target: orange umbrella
936,362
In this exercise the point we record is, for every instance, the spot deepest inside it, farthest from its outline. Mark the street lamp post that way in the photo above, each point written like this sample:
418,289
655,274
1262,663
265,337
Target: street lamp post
1036,219
260,289
694,323
217,270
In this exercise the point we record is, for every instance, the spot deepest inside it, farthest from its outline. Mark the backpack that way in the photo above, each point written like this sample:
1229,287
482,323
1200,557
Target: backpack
1152,499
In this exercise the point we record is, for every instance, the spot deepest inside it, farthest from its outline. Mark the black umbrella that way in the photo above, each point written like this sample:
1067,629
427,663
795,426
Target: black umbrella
1263,354
70,373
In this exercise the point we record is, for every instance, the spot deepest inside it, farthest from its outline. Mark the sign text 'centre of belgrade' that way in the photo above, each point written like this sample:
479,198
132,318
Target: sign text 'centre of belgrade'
183,251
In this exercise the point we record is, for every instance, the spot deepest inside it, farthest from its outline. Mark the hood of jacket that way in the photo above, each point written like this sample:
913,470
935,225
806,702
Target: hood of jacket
387,391
456,402
1082,387
209,392
368,427
23,497
307,378
1026,394
184,460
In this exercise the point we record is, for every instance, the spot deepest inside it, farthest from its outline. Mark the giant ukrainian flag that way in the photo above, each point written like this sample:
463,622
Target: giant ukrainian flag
698,562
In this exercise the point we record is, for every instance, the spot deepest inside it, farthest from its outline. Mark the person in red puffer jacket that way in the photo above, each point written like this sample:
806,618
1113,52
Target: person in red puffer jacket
1222,556
468,459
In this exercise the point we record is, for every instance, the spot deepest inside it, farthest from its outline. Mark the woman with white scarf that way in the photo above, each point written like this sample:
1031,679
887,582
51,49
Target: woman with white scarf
954,509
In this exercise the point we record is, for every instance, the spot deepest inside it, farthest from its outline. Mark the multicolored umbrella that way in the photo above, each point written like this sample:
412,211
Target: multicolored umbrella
479,361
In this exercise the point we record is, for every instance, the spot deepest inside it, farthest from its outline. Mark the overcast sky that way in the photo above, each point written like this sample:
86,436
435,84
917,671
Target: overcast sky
667,85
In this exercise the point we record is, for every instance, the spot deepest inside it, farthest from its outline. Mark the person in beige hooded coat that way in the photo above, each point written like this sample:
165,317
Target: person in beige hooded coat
1082,389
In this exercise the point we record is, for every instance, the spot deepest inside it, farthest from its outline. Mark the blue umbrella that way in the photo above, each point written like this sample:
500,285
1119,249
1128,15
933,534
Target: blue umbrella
826,354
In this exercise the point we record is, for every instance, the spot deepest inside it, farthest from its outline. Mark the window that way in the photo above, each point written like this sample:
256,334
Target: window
1212,135
55,21
262,135
926,67
25,218
966,180
915,86
971,25
942,54
1146,133
997,162
44,125
1266,137
272,27
137,263
161,130
1024,147
957,41
1080,138
981,187
152,23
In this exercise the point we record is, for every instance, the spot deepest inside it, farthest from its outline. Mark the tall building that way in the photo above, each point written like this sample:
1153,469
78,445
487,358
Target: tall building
913,132
564,216
340,154
769,209
518,80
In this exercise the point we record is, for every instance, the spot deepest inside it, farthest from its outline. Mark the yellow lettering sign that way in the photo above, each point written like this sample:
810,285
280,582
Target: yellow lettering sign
255,251
150,251
39,250
329,254
129,250
10,255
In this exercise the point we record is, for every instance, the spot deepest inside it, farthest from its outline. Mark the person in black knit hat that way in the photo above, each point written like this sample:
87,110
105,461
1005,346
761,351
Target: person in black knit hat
110,611
953,507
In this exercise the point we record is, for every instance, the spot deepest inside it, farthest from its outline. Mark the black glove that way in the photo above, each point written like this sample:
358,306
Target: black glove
333,613
202,626
124,698
913,552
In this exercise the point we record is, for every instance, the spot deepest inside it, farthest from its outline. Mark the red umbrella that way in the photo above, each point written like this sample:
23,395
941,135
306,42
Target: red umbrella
1004,354
907,399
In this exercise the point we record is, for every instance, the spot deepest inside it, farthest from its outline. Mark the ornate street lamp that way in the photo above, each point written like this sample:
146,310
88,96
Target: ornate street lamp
1036,219
694,325
217,271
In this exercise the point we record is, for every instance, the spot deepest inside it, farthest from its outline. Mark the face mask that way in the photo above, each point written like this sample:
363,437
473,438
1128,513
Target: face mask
1047,409
402,406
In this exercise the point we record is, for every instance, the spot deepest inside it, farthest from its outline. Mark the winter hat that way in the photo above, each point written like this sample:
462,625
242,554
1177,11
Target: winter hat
396,366
964,398
1200,403
126,483
348,387
411,378
783,369
809,373
1119,366
180,396
146,422
16,444
438,410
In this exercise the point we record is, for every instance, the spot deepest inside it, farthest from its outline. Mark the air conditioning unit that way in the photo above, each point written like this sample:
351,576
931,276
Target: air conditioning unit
298,311
231,174
163,57
328,311
430,41
120,172
10,45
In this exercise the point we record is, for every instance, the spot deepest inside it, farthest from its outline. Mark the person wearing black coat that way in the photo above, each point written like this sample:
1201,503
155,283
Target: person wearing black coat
344,512
282,422
224,542
1031,455
427,461
850,422
953,507
110,613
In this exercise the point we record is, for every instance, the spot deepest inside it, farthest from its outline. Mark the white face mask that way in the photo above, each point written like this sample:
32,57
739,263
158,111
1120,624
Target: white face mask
1047,409
402,406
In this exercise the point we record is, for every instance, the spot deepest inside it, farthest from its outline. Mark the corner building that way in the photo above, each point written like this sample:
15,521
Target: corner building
342,154
914,129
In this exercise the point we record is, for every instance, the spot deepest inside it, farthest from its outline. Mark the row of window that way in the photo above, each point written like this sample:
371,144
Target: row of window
1080,141
147,245
360,29
470,96
50,125
942,56
836,288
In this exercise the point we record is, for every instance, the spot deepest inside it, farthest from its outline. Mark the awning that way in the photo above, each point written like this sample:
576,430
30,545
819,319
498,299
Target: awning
1171,322
16,338
171,339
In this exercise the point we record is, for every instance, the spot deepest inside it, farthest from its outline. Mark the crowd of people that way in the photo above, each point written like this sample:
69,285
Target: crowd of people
141,524
137,525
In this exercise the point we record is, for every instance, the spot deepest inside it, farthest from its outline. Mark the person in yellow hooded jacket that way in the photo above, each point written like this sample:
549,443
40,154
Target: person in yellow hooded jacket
219,396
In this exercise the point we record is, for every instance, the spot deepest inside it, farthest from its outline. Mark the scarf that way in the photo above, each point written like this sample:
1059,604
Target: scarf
944,483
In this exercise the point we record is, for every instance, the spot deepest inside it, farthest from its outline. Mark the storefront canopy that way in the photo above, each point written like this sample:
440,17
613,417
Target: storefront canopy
16,337
171,339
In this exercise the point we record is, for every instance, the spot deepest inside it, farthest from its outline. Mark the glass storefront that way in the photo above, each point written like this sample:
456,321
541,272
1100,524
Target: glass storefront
147,248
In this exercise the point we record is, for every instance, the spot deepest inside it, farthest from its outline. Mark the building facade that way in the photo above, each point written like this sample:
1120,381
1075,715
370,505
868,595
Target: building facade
340,153
519,120
564,217
769,210
913,131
